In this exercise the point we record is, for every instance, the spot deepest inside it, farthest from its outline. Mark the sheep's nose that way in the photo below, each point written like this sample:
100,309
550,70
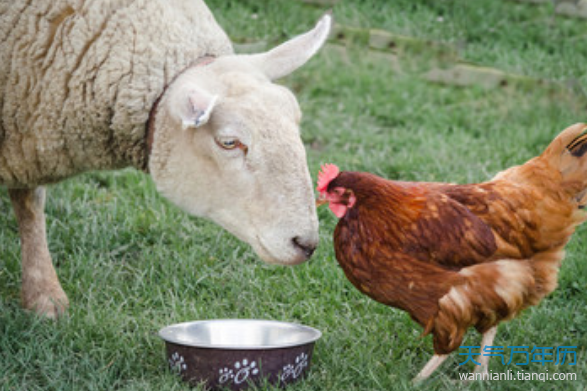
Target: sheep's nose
307,247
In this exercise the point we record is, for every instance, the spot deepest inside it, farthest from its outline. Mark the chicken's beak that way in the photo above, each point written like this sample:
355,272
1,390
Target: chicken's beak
321,200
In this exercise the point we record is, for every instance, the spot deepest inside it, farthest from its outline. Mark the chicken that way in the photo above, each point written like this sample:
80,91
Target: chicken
459,256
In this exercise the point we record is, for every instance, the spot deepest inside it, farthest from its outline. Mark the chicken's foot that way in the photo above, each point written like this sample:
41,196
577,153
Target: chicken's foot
487,340
430,367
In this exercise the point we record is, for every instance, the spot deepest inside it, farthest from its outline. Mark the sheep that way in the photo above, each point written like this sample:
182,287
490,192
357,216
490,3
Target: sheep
154,85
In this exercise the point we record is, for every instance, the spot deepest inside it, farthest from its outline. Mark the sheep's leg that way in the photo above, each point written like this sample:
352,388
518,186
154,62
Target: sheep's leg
430,367
487,340
41,291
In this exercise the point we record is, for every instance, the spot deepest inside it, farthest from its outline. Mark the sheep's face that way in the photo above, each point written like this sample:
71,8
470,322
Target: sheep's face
227,147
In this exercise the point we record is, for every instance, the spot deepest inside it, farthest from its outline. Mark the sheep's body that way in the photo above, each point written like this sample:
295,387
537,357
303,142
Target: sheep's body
78,79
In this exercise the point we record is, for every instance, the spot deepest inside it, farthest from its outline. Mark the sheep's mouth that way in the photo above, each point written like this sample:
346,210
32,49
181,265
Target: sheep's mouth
264,252
268,257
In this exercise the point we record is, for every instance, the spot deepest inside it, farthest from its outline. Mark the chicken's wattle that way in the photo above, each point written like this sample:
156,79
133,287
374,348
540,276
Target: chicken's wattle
339,210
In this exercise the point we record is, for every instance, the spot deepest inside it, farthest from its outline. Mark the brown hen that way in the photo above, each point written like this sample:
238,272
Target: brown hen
456,256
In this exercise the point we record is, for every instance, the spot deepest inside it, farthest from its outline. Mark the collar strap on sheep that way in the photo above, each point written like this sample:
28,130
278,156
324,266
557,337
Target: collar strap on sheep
150,128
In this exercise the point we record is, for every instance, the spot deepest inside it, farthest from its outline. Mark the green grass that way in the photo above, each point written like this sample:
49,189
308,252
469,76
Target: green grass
132,263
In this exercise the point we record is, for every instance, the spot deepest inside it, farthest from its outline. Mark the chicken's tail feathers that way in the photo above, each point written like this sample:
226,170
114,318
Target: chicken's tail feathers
569,139
568,153
578,147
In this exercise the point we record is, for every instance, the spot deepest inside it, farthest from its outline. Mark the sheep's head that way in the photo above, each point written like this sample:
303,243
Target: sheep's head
227,147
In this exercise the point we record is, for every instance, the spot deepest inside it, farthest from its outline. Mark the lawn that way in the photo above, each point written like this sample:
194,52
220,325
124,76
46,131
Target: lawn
132,263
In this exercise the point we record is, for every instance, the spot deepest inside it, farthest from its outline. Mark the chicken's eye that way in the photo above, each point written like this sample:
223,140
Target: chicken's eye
339,191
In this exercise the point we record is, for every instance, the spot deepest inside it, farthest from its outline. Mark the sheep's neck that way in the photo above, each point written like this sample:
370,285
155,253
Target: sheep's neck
150,126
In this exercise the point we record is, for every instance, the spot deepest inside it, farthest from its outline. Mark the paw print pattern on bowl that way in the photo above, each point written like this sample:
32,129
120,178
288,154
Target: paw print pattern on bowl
287,372
177,362
294,370
241,371
225,375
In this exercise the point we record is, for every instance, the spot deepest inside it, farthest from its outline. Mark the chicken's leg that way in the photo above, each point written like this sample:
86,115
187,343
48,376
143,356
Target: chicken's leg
430,367
487,340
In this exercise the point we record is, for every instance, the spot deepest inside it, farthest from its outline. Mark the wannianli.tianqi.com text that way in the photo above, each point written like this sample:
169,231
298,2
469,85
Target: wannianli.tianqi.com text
518,375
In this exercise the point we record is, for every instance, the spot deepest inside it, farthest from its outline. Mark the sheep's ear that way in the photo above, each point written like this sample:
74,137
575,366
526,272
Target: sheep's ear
198,107
289,56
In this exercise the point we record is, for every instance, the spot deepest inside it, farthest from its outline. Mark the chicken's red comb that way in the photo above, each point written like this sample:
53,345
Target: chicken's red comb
328,173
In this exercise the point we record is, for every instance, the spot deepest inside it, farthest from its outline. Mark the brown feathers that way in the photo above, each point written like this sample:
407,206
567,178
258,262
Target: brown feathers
456,256
578,146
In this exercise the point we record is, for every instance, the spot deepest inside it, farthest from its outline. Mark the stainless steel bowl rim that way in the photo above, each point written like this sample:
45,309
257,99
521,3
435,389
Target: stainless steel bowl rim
166,333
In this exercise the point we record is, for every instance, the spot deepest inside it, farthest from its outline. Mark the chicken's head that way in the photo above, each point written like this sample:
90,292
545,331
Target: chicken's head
339,198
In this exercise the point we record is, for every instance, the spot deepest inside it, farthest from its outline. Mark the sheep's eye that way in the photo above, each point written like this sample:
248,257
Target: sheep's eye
231,143
228,143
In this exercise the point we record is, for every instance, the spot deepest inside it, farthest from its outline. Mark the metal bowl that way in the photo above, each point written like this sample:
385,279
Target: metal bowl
234,353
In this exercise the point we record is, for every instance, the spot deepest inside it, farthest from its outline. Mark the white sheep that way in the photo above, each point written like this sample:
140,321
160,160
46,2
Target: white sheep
152,84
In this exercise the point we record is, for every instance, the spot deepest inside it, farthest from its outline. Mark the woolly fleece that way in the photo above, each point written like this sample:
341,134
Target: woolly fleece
78,79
